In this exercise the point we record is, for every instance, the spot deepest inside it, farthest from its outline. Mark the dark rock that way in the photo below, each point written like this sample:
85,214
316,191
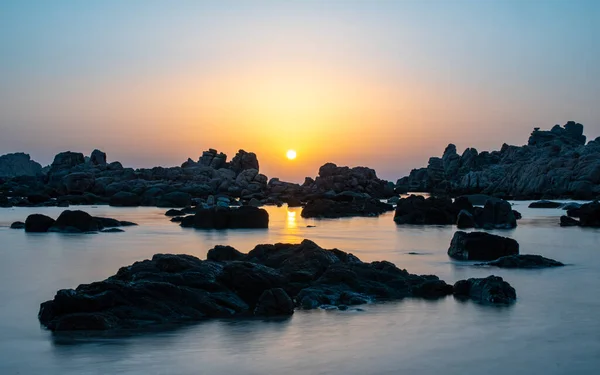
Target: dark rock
17,225
227,218
78,182
222,253
496,214
523,261
38,198
328,208
589,214
465,220
274,302
80,220
490,290
416,209
98,158
517,214
481,246
112,230
566,221
18,164
124,199
174,212
38,223
67,160
179,288
243,160
545,204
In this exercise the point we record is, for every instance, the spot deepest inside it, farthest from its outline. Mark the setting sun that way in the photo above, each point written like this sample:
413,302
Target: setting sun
291,154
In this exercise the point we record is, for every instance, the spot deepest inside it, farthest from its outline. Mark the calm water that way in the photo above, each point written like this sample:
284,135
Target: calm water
552,329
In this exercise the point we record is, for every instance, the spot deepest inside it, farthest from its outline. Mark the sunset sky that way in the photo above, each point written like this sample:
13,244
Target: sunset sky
381,84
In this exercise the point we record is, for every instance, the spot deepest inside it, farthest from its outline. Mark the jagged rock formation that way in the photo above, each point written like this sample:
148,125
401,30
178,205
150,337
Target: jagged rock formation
75,179
18,164
554,164
269,280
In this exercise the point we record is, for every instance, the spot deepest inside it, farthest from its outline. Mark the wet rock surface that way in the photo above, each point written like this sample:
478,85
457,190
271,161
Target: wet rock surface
270,280
523,261
489,290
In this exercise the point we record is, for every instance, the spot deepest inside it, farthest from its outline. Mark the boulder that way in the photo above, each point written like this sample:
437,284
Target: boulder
175,199
566,221
18,164
217,217
17,225
589,214
243,160
417,209
222,253
38,223
523,261
67,160
98,158
496,214
78,182
481,246
489,290
274,302
79,220
465,220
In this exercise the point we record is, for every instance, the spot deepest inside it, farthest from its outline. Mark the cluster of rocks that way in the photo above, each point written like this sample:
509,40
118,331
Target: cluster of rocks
345,205
501,251
75,179
331,181
18,164
269,280
588,214
554,164
70,222
217,217
495,214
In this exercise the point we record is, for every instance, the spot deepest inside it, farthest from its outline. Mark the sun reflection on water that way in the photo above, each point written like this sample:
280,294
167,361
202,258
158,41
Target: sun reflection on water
291,220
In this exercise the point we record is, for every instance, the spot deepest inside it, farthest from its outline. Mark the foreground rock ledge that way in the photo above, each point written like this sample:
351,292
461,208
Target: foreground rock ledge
269,280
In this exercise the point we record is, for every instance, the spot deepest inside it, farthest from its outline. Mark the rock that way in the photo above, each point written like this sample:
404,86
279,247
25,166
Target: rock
18,164
496,214
274,302
174,212
477,199
228,218
481,246
178,288
327,208
489,290
38,223
175,199
554,164
566,221
243,160
545,204
112,230
465,220
98,158
523,261
78,183
67,160
38,198
589,214
80,220
571,205
17,225
254,203
124,199
415,209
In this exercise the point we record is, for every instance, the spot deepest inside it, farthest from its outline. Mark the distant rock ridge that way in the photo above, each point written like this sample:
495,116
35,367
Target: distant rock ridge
18,164
554,164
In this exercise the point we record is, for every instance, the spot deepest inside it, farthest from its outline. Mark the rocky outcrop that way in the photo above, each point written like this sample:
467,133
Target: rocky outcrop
218,217
71,222
588,214
269,280
415,209
481,246
554,164
523,261
357,206
490,290
18,164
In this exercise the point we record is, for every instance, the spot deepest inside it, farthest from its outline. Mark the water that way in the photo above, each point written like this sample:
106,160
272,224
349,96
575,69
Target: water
552,329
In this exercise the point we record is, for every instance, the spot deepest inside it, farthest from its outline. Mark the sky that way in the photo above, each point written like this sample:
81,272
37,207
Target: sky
383,84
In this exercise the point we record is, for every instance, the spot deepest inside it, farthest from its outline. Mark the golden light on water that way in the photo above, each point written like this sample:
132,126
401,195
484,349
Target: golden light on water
291,154
291,219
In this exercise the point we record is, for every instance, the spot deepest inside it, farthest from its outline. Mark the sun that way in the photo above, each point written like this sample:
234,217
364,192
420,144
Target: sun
291,154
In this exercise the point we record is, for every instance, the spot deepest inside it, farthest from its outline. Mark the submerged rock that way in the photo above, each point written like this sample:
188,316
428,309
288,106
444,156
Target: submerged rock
489,290
481,246
269,280
523,261
589,214
17,225
566,221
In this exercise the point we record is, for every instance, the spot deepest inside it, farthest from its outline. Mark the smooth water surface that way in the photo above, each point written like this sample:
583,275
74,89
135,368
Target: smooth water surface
552,329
